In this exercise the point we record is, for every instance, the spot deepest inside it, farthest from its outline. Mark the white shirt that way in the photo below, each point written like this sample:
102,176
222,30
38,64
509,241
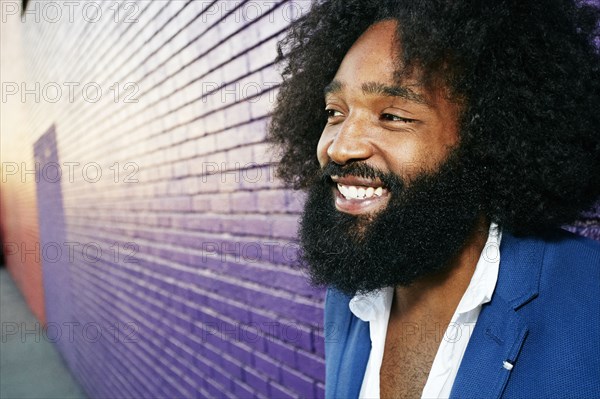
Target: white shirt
375,308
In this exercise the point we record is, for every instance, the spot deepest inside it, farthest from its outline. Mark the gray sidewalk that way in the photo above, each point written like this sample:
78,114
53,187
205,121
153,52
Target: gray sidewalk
30,366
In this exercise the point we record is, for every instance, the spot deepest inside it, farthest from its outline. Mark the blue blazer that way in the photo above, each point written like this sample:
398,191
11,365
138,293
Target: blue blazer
544,318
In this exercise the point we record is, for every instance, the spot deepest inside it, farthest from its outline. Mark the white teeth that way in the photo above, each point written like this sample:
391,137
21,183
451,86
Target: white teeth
343,190
354,192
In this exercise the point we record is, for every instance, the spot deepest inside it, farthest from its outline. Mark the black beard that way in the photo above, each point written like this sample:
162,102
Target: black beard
422,228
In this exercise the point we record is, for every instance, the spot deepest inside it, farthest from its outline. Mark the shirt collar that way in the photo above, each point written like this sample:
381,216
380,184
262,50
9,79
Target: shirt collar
483,283
371,305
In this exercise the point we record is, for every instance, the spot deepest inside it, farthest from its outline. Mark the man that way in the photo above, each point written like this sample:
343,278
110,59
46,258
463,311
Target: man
452,140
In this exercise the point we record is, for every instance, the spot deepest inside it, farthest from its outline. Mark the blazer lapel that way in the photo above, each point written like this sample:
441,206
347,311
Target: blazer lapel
500,331
491,353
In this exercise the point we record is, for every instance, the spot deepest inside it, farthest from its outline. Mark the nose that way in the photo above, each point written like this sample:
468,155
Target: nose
350,143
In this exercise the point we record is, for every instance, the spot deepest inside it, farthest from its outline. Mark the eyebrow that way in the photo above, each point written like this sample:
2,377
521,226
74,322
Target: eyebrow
375,88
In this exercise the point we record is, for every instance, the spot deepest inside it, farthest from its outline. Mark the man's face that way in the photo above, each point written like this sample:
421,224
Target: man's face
397,129
393,204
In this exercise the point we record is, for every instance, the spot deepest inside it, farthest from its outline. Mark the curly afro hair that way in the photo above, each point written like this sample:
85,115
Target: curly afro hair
527,73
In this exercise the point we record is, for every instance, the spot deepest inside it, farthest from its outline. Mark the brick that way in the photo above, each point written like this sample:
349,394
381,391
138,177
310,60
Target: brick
311,365
227,139
214,388
248,225
242,202
203,203
232,368
241,390
256,380
240,112
263,55
241,351
220,203
238,158
278,391
280,352
266,366
286,227
297,336
262,105
294,381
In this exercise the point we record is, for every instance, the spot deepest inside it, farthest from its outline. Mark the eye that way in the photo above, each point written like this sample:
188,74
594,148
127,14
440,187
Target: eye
332,113
395,118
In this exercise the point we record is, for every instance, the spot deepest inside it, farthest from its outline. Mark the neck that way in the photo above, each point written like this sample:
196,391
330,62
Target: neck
438,295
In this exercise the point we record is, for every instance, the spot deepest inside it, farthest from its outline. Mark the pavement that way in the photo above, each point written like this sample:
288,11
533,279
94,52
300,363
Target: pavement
30,365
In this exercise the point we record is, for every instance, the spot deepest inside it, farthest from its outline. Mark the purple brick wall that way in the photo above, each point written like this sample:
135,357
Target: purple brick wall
182,272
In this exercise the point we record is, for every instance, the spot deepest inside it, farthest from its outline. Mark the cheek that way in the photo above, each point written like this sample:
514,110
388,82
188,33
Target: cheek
404,156
413,159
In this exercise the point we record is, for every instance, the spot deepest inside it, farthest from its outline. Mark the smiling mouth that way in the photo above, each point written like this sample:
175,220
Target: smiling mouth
357,196
359,192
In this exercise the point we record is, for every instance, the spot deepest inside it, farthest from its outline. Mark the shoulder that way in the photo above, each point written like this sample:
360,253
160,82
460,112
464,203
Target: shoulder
558,238
560,251
565,242
560,267
574,259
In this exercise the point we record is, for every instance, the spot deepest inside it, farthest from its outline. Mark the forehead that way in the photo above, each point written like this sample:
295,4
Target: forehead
370,66
372,57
